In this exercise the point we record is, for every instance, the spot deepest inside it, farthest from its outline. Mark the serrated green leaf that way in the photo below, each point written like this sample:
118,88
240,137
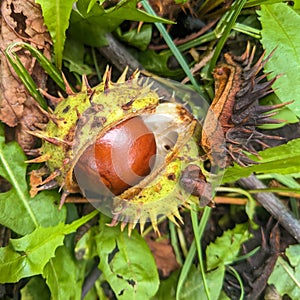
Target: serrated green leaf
27,256
35,289
56,17
137,38
225,249
91,24
194,288
18,211
280,25
127,263
286,277
280,159
61,274
45,207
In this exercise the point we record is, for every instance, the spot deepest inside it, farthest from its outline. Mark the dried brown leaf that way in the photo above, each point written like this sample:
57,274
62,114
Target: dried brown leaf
163,254
21,21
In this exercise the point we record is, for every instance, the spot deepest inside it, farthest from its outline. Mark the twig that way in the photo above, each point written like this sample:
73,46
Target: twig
119,56
273,205
90,280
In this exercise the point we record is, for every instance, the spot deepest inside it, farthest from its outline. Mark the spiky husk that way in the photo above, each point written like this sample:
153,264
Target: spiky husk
243,113
80,119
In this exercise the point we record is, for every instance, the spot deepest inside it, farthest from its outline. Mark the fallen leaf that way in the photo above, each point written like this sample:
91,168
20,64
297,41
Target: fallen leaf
163,254
21,21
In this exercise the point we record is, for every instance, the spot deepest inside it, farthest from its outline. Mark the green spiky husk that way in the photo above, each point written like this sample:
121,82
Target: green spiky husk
92,112
80,119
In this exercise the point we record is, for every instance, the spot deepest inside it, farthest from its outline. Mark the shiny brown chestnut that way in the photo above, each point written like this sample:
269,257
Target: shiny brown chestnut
120,158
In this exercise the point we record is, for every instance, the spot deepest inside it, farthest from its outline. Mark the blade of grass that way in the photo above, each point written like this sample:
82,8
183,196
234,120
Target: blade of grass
46,64
174,242
25,78
23,74
239,279
172,46
287,180
250,204
208,37
249,254
182,242
226,23
294,207
209,5
96,65
253,32
221,31
194,216
218,32
252,3
190,257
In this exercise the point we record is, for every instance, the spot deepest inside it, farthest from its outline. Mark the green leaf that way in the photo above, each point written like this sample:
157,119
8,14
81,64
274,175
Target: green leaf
74,57
18,211
35,289
280,159
158,63
27,256
280,25
296,5
293,254
90,24
194,288
61,274
56,17
138,39
127,263
223,296
226,248
286,277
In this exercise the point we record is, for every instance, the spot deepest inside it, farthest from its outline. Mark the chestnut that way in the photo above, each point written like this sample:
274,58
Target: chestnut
122,140
120,158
